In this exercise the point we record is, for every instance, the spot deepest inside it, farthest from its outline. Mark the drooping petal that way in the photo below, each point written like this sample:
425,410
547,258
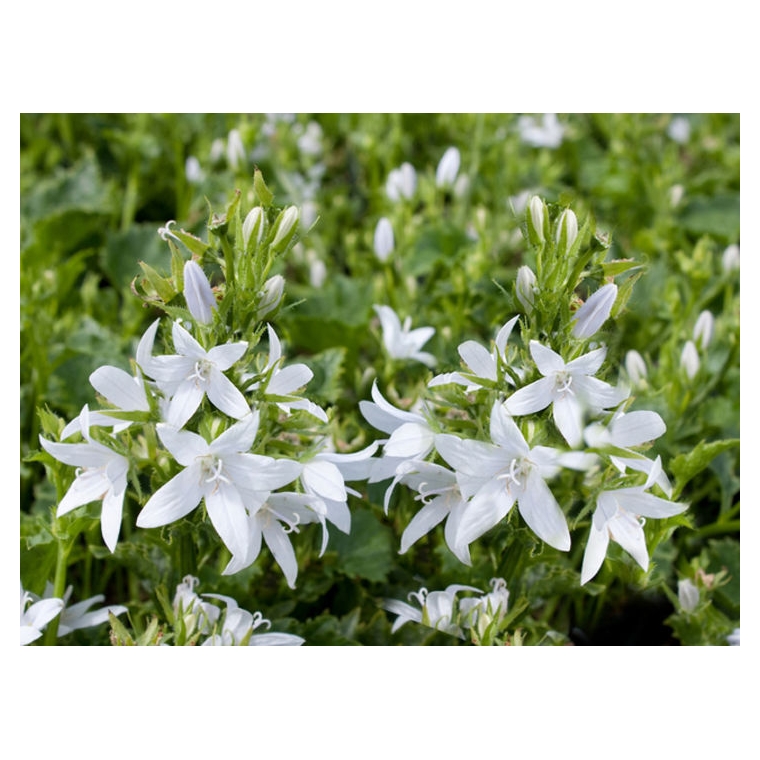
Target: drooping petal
637,502
228,516
175,499
184,403
626,530
110,518
486,509
478,359
282,550
596,551
424,521
568,416
531,398
78,454
90,485
275,640
452,530
225,396
120,389
543,515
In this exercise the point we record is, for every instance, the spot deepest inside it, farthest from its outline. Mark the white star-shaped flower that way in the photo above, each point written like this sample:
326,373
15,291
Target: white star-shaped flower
570,388
401,342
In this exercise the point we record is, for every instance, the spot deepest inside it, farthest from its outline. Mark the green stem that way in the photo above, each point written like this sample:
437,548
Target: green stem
59,587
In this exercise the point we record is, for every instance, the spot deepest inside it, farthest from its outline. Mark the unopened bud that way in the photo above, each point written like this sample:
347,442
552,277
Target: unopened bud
635,367
402,182
688,595
235,149
253,224
285,227
448,167
703,329
383,239
525,288
730,258
595,312
537,218
690,359
567,230
270,296
198,294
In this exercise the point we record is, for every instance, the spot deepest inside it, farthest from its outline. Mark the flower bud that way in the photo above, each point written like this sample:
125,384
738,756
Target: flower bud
402,182
235,149
730,259
270,296
383,239
253,222
636,367
285,227
448,167
198,294
193,171
567,230
703,329
525,288
537,219
690,359
688,595
595,312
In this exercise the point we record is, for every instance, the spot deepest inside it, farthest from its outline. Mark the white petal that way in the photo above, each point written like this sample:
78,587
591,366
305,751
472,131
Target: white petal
238,438
423,522
596,550
324,479
595,312
183,445
227,354
289,379
503,336
568,416
626,530
531,398
91,485
635,428
541,512
547,361
282,550
110,518
228,516
185,344
410,440
485,510
175,499
588,364
225,396
639,503
120,389
478,359
184,403
473,458
505,433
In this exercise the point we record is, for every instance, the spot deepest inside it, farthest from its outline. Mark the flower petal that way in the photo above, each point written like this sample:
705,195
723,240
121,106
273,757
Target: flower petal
547,361
184,403
596,550
636,428
424,521
542,514
531,398
568,416
175,499
478,359
282,551
120,389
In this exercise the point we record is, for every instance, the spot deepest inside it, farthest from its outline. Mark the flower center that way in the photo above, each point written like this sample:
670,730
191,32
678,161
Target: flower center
562,382
201,372
212,470
518,469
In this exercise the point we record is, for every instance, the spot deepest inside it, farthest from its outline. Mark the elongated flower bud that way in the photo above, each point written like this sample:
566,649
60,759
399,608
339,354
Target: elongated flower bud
703,329
253,223
285,227
730,258
595,312
688,595
198,294
690,359
448,167
235,149
383,239
567,230
402,182
635,367
537,218
525,288
270,296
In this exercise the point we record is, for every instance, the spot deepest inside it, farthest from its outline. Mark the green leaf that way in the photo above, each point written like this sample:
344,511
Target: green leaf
368,551
263,193
686,466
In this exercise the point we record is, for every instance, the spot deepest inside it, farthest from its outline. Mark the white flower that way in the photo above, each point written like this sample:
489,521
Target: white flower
199,297
285,225
270,296
235,149
679,130
193,172
448,167
102,474
733,638
324,477
224,474
617,517
438,609
537,219
79,615
402,182
196,613
495,475
401,342
483,365
628,430
546,134
595,312
36,616
254,221
383,241
240,626
273,520
283,381
569,388
438,490
525,288
410,434
703,329
480,612
191,374
690,359
688,595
